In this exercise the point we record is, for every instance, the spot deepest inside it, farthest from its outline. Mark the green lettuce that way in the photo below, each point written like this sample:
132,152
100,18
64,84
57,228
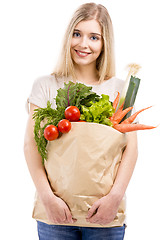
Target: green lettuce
98,112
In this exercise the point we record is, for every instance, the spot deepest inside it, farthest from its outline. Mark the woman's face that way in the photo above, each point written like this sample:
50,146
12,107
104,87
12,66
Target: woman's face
86,43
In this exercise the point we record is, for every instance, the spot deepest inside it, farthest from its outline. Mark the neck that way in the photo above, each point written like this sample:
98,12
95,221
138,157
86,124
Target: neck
86,74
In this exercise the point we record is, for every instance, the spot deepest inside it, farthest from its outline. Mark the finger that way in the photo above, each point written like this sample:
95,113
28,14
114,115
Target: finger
93,219
61,216
92,210
68,215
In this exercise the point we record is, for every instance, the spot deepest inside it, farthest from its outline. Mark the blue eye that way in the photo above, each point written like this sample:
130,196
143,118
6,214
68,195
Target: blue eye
76,34
94,38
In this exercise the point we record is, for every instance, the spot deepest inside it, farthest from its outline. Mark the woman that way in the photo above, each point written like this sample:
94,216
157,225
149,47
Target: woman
88,57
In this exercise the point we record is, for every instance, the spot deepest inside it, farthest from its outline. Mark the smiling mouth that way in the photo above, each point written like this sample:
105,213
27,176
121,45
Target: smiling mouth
81,53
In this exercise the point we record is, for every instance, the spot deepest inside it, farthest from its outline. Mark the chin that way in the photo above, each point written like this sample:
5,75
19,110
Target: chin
83,62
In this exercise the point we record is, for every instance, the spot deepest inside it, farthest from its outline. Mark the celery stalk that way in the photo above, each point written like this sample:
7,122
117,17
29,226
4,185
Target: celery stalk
131,94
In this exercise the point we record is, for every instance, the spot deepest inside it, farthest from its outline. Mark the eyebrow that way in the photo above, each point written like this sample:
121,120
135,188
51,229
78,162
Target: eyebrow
77,30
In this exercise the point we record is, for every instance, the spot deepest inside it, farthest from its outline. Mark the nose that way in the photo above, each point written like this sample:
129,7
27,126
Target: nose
83,42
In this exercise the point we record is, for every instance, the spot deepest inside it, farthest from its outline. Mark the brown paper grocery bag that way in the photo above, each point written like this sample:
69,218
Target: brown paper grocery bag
81,167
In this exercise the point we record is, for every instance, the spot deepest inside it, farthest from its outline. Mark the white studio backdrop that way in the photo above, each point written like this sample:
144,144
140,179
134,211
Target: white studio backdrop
31,35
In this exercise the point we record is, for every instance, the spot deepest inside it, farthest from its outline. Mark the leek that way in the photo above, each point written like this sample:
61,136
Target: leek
133,69
131,94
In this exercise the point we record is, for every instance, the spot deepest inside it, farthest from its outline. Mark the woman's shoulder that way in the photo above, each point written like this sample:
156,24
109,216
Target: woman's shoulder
44,89
51,80
114,80
45,80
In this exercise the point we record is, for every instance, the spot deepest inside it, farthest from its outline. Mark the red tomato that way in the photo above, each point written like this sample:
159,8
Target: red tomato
51,132
64,126
72,113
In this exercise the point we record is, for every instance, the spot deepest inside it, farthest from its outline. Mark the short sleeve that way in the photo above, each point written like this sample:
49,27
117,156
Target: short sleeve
38,95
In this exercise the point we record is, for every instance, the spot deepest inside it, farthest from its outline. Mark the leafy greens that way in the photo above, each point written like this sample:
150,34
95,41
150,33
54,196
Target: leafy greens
93,108
75,94
98,112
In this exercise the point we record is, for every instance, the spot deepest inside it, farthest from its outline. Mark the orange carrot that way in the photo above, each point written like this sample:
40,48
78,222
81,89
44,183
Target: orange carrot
120,109
131,118
131,127
116,100
117,112
120,115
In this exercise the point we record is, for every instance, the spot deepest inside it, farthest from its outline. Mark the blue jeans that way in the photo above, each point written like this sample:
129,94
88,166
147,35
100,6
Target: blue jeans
62,232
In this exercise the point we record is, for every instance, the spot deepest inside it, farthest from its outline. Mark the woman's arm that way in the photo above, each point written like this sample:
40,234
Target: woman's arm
106,208
56,209
126,167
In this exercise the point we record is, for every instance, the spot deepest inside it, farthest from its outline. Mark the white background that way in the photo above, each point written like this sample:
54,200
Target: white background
31,34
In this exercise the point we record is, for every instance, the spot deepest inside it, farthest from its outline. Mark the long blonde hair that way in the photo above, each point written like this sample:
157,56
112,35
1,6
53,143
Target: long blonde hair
106,62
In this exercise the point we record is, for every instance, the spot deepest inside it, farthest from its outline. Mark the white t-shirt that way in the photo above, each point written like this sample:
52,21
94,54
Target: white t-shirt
45,88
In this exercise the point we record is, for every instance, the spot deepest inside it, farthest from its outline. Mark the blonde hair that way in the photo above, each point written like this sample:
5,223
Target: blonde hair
106,62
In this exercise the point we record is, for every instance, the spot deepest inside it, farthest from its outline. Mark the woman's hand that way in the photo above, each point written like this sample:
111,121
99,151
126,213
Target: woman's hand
58,211
104,210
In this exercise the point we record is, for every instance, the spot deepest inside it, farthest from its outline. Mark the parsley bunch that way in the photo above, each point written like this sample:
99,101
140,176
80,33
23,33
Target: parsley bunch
42,118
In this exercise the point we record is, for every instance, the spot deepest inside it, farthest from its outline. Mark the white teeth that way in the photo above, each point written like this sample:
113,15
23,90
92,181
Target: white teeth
82,53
